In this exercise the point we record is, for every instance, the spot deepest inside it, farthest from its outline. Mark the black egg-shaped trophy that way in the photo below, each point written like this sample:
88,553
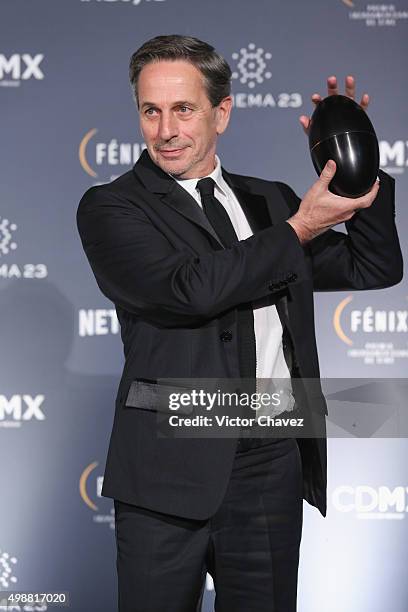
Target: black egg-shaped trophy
341,130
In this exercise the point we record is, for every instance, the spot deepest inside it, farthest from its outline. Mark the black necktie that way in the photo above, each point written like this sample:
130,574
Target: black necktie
219,219
216,213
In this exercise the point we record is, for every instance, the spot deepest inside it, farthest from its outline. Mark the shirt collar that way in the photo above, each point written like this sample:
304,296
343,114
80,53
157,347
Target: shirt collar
190,184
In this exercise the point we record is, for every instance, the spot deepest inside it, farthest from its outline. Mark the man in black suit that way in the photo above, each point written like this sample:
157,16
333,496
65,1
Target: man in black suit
212,275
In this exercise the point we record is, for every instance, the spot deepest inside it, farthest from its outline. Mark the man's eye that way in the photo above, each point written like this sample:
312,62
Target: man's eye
184,109
150,111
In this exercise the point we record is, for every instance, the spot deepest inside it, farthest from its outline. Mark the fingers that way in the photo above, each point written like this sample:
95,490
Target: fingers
316,98
350,86
350,90
305,121
332,87
327,173
365,100
333,90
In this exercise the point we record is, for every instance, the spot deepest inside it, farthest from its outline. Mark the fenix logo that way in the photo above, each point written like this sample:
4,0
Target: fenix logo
20,408
111,153
370,320
20,67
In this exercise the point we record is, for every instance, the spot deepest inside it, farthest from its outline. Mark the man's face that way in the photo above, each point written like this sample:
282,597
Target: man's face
178,123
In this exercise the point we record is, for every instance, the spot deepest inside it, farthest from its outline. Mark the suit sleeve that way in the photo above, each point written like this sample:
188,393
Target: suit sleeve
368,256
137,267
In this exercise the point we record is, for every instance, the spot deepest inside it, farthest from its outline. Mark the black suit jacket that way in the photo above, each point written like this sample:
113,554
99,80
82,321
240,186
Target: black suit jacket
155,255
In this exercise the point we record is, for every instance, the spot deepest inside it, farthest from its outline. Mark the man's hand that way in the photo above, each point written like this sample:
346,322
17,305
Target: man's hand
320,209
332,90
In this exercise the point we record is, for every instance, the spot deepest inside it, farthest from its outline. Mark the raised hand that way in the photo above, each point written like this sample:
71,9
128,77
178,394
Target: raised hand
333,89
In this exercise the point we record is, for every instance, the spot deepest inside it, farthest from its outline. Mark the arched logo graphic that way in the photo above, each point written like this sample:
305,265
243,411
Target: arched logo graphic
83,485
337,320
82,153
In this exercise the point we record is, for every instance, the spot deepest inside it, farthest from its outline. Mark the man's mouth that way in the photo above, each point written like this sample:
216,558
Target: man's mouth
173,152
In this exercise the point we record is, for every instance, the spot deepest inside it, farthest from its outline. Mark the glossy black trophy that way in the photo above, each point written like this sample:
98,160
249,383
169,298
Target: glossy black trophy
341,130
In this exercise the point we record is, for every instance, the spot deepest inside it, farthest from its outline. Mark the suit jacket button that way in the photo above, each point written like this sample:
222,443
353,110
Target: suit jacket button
226,336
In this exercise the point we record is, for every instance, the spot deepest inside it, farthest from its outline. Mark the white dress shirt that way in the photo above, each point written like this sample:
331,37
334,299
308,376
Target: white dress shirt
270,360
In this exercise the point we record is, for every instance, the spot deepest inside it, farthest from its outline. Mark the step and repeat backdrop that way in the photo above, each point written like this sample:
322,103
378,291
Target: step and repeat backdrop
68,122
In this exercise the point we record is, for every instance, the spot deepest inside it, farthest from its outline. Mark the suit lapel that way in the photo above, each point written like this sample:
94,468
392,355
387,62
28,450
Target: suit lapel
254,205
181,201
159,182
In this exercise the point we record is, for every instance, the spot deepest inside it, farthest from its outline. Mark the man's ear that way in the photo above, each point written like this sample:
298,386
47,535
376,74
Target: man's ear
223,112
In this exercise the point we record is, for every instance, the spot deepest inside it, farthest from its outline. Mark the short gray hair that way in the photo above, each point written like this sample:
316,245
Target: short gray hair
214,68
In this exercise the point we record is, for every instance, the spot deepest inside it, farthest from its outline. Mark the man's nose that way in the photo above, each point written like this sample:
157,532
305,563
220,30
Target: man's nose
168,127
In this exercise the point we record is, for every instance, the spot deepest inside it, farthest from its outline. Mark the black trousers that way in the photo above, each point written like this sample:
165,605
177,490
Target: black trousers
250,546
